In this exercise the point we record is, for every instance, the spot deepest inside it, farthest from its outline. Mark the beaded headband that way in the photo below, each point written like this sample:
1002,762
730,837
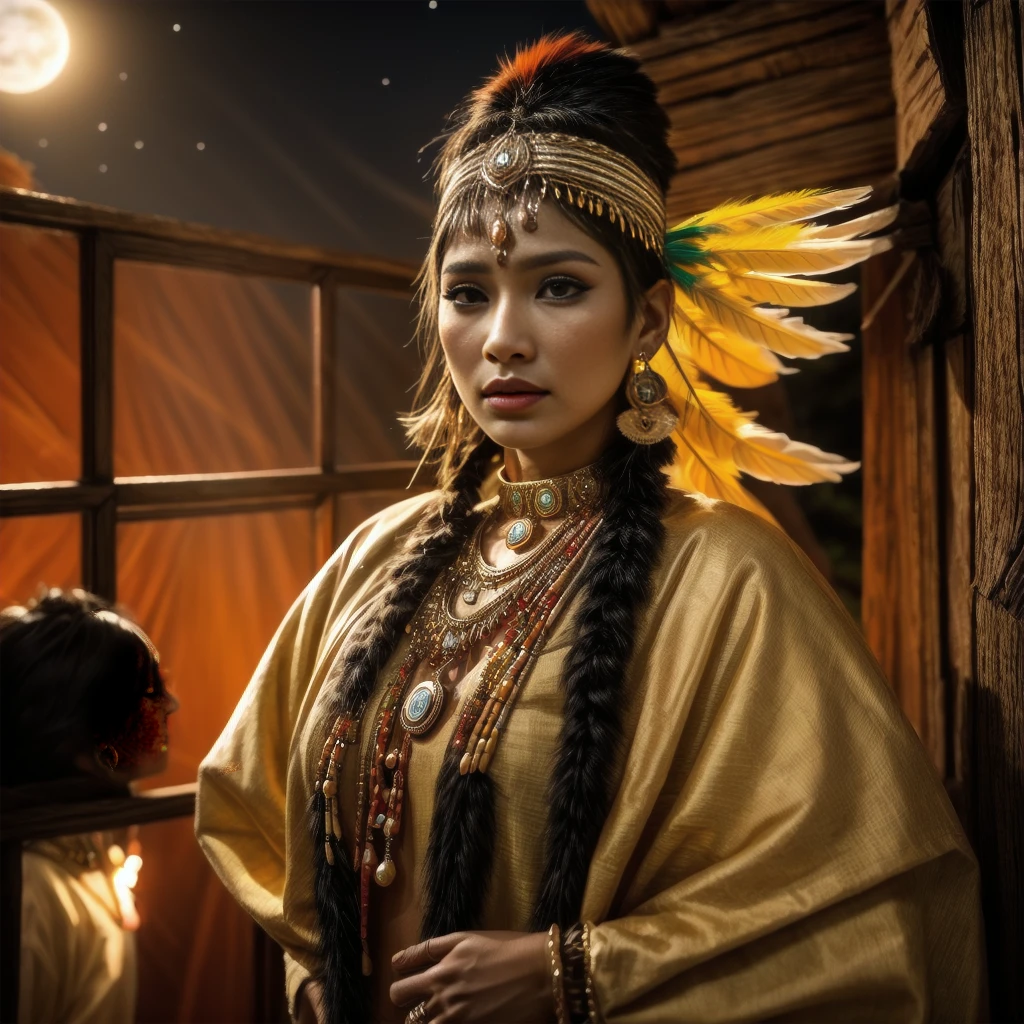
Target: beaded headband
514,172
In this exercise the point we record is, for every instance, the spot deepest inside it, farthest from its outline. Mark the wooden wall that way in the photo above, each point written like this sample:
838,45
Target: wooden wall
995,105
763,95
770,95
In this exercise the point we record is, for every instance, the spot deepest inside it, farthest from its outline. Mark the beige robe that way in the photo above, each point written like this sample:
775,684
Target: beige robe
78,964
779,846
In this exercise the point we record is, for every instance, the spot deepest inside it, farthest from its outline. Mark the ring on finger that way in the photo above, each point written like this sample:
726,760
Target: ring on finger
418,1014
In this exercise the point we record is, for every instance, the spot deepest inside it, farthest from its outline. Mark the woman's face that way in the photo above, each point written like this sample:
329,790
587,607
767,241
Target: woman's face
142,746
538,348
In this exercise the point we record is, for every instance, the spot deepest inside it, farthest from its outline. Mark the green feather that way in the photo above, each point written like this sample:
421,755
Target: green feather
685,253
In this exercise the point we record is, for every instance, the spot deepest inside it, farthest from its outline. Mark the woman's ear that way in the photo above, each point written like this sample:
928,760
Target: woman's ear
655,317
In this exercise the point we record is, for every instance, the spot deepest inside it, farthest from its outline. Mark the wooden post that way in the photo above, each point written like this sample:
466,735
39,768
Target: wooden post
324,391
901,589
99,525
10,915
995,111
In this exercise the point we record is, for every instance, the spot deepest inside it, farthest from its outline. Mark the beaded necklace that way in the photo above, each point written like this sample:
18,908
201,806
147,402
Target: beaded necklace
528,596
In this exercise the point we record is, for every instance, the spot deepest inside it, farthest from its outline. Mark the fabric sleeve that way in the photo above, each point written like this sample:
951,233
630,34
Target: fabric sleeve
246,823
295,976
791,853
45,927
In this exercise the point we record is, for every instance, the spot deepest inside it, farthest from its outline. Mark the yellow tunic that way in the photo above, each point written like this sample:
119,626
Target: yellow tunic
778,846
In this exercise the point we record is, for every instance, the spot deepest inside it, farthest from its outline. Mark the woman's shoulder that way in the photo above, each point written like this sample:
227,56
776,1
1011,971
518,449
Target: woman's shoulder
710,530
382,530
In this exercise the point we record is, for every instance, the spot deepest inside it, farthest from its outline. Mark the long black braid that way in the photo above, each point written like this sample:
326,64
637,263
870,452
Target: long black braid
430,549
615,584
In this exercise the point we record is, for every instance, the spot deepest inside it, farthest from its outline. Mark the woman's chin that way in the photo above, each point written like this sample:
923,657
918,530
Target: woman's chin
523,434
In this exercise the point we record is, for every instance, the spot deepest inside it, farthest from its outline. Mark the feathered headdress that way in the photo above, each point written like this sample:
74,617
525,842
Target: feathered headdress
534,131
738,270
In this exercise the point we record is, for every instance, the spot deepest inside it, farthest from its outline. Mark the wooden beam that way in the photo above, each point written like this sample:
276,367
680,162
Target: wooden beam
625,21
99,524
205,509
157,493
770,96
995,113
927,108
232,259
214,487
997,162
324,316
46,819
163,240
901,571
797,107
741,44
952,221
855,154
51,498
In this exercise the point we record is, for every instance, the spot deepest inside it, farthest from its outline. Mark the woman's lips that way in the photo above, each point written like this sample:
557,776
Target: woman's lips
513,401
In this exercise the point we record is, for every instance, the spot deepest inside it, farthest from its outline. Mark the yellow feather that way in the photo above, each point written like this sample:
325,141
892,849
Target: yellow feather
770,455
786,291
730,323
772,238
693,472
726,357
865,225
772,328
811,258
782,207
730,440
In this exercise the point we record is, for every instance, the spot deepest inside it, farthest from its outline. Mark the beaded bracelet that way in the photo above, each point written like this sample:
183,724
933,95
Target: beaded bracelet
555,956
579,993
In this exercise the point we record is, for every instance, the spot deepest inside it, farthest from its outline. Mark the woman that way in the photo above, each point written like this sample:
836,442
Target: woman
596,747
84,705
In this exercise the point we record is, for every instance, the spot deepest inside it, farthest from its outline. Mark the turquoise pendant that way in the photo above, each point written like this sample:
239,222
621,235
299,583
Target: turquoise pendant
547,502
422,707
519,533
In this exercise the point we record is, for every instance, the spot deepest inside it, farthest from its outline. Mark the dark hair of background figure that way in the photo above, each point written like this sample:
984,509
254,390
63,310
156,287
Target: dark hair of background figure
69,681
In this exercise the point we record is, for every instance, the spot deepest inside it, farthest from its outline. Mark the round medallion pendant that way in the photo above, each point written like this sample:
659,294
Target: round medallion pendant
422,707
547,502
519,533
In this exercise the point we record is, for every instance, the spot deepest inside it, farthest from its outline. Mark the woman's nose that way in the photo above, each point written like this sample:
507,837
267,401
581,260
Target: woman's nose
509,338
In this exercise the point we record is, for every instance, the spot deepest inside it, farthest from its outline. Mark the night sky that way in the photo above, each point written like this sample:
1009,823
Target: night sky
301,138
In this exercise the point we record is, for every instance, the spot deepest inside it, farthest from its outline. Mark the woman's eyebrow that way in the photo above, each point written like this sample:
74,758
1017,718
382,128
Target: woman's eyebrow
545,259
542,259
466,267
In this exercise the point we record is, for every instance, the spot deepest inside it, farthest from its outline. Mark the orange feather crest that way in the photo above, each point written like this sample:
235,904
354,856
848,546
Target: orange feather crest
520,71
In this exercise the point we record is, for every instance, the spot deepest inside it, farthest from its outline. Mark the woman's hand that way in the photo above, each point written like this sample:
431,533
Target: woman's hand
477,976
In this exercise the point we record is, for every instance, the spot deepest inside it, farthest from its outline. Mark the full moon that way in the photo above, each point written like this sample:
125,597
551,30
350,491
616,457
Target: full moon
34,45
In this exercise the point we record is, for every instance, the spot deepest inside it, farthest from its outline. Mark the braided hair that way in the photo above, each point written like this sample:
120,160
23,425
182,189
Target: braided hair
430,549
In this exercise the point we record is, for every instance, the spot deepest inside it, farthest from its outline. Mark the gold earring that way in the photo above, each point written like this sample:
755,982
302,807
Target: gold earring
107,756
651,417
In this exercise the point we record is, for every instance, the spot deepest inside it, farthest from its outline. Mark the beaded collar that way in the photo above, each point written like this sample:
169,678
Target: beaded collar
529,501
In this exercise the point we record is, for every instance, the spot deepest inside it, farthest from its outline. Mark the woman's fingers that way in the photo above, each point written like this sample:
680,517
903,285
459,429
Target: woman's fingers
407,992
423,954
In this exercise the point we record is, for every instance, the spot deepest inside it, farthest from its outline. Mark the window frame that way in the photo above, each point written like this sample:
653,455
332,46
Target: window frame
105,235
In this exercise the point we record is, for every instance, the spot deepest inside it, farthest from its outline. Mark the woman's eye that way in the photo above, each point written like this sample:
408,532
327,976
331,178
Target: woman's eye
561,288
465,295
